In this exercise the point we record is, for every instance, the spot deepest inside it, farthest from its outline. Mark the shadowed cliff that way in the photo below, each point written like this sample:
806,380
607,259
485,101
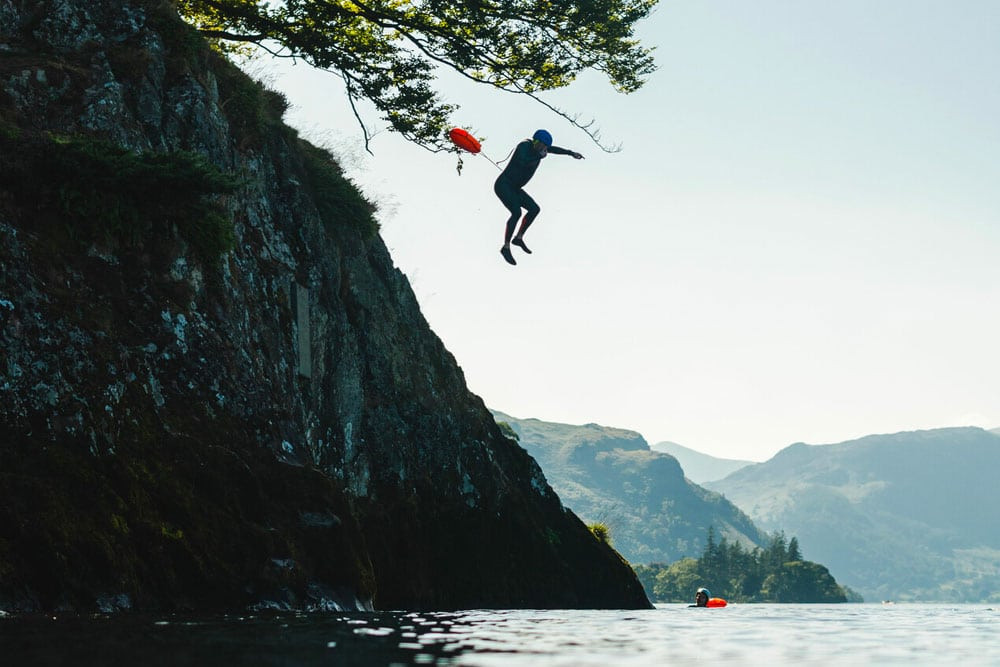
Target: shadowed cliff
216,390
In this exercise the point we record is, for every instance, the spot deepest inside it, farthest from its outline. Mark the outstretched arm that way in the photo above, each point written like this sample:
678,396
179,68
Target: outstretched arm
555,150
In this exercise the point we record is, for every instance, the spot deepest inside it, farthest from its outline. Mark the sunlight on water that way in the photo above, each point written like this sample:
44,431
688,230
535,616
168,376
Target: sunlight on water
672,634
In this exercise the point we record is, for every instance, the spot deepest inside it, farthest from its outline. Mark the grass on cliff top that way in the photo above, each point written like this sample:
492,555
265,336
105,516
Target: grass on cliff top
601,532
337,198
95,192
255,114
252,109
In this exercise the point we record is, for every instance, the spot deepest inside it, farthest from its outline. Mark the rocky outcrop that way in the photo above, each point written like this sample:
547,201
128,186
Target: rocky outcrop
216,390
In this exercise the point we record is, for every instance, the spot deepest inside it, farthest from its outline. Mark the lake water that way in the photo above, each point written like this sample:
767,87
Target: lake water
670,635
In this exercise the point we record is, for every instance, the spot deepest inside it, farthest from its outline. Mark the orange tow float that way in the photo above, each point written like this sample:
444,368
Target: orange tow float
464,140
703,598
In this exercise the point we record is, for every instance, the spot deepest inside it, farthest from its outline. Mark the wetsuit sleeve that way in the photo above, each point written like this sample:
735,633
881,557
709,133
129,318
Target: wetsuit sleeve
555,150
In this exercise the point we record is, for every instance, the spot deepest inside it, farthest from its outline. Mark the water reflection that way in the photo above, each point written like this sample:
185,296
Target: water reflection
745,634
355,638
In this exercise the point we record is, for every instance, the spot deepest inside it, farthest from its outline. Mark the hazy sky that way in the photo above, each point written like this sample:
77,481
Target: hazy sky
800,240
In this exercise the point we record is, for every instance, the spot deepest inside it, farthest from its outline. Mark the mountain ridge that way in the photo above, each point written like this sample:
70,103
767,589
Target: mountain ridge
700,467
894,516
610,475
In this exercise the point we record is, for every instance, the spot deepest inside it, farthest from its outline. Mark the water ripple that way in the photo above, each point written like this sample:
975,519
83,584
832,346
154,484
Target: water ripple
745,634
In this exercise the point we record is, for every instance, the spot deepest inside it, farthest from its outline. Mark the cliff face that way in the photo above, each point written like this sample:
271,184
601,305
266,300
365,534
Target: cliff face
215,388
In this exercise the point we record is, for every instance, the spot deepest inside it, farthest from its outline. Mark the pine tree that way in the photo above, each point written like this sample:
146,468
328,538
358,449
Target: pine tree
793,550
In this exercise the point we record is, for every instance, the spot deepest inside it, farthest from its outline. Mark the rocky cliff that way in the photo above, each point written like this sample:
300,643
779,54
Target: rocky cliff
215,388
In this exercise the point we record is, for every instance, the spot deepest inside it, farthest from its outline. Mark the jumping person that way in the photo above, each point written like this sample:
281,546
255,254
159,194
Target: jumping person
510,184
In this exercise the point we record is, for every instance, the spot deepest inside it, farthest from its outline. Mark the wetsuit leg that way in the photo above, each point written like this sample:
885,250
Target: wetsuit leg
529,217
514,199
508,196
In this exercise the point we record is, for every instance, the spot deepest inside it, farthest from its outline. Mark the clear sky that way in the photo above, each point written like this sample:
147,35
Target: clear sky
800,240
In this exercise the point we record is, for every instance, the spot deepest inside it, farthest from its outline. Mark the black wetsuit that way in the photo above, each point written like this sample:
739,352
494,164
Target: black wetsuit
509,185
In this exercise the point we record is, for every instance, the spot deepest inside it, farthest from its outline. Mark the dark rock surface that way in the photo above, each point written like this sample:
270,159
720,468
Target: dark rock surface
164,442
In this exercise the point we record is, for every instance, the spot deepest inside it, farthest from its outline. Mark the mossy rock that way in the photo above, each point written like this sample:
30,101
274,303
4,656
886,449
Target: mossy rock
80,191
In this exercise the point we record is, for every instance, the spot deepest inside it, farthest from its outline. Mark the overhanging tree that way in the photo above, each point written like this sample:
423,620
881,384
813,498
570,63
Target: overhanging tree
387,51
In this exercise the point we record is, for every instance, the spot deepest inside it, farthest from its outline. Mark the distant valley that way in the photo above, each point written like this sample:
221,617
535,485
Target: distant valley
907,516
698,467
612,476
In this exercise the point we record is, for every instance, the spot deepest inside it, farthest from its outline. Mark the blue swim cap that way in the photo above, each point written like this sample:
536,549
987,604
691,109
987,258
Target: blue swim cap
543,136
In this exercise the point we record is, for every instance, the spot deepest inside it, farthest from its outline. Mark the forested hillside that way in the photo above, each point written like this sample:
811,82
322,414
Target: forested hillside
610,475
907,516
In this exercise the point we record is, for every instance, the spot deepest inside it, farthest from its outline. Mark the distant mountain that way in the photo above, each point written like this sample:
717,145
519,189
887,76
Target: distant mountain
610,475
909,516
698,467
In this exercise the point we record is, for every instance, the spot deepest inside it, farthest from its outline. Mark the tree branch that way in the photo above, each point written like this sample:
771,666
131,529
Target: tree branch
233,37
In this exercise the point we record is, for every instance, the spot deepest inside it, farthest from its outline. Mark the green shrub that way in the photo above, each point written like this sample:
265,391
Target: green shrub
508,431
171,533
8,131
337,198
96,192
186,51
252,109
601,532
